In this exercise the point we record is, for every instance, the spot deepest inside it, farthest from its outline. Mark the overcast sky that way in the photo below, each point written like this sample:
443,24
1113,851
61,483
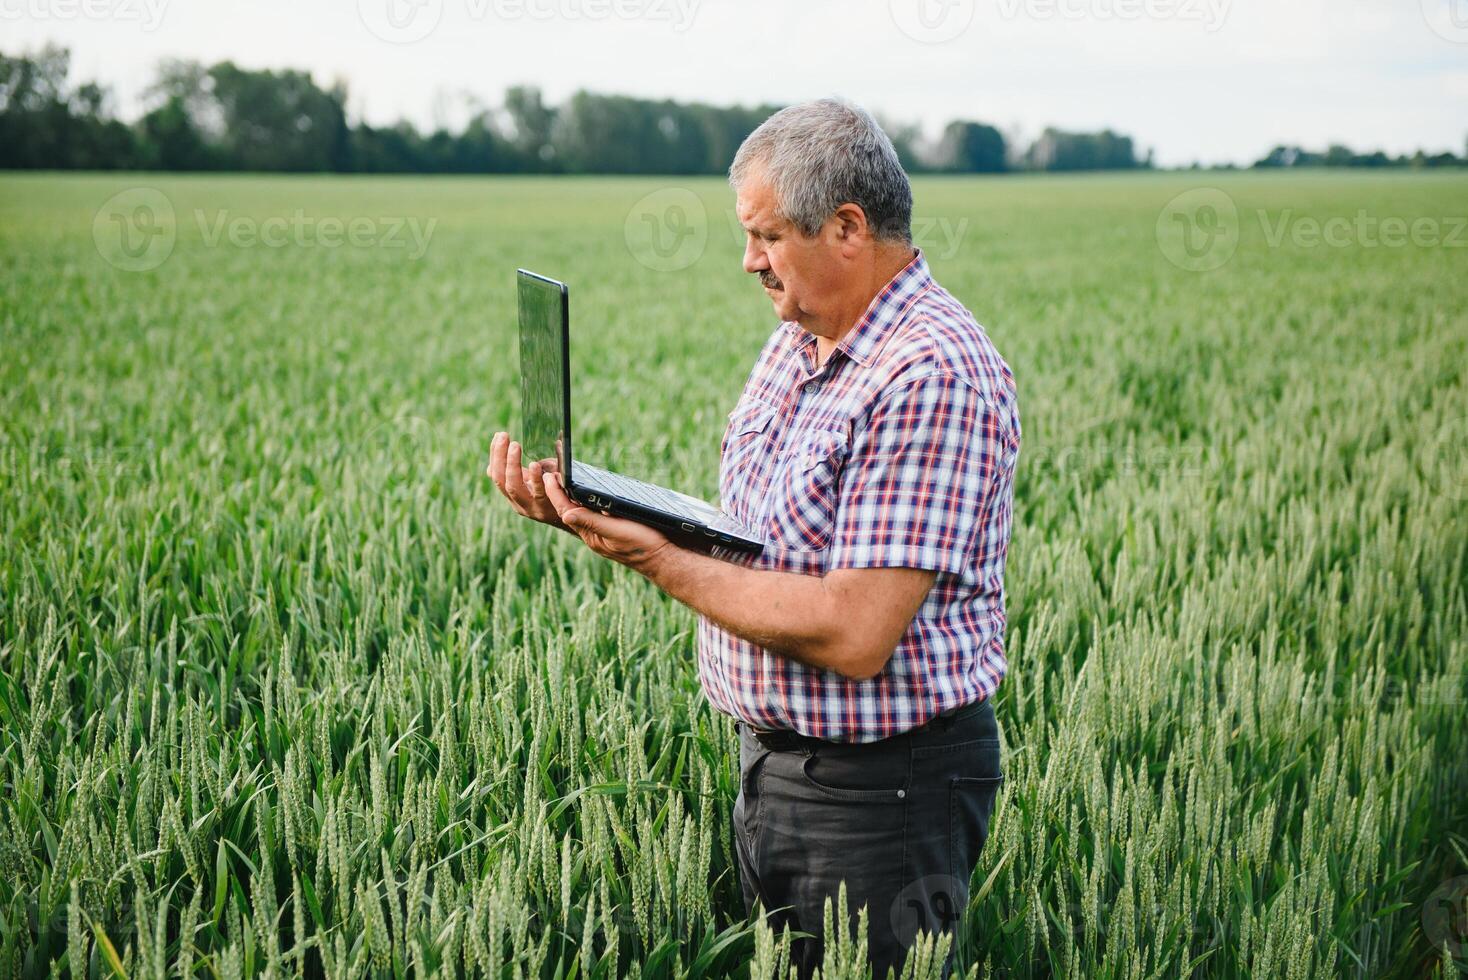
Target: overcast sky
1210,80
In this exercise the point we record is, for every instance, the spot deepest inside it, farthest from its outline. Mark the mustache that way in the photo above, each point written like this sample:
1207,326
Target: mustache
769,280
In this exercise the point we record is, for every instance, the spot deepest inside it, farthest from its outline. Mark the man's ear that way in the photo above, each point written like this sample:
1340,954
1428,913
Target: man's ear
851,227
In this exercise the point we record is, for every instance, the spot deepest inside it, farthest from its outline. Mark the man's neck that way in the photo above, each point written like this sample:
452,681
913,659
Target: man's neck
885,265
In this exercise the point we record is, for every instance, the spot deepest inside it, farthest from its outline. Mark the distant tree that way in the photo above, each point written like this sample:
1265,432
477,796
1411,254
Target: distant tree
1376,159
44,123
1289,156
482,148
189,84
1059,150
970,147
1342,156
531,122
280,120
173,140
907,140
1114,151
725,128
390,149
621,135
1276,157
682,146
1421,159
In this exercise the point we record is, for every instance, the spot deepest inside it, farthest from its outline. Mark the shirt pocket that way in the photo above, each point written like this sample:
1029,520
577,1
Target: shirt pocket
803,509
744,444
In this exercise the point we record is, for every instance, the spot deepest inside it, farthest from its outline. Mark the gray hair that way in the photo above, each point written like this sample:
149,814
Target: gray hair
822,154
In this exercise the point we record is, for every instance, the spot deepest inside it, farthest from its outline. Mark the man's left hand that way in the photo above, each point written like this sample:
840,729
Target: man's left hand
625,542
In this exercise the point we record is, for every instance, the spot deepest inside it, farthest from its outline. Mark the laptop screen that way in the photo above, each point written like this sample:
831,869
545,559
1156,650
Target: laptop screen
544,399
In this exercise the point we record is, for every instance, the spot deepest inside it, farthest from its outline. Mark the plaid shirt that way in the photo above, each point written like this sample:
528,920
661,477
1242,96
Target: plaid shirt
898,451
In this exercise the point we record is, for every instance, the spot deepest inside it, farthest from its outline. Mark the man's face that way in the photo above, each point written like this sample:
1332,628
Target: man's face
801,275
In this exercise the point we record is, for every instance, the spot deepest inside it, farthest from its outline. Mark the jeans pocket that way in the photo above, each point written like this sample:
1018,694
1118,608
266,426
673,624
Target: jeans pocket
970,805
855,779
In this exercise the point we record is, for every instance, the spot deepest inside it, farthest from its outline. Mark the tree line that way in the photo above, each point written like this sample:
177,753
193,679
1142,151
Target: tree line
1342,156
225,117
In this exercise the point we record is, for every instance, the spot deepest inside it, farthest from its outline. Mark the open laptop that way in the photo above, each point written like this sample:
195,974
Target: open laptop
545,396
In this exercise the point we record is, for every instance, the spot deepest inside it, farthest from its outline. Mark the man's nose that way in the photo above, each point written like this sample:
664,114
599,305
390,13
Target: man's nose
755,259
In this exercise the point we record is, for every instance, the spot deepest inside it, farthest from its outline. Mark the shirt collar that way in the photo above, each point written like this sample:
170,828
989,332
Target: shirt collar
865,339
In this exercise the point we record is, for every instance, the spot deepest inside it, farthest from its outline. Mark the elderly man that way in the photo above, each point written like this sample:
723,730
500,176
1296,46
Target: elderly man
875,444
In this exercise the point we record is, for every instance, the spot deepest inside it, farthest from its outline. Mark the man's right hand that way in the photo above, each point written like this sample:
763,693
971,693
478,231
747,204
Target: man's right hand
523,486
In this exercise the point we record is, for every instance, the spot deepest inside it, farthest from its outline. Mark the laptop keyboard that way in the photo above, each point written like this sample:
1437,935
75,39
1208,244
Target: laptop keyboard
653,496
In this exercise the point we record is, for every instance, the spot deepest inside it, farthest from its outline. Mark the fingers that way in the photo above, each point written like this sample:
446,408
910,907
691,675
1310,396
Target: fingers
535,482
496,469
570,512
585,521
515,475
524,486
624,541
505,471
499,468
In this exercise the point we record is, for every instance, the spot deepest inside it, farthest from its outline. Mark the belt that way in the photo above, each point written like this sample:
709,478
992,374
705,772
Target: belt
784,739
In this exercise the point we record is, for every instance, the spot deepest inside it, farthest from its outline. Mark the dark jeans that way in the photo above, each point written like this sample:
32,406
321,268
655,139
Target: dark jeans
900,821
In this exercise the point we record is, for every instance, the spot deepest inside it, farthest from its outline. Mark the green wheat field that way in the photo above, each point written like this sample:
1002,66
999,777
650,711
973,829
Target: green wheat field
286,689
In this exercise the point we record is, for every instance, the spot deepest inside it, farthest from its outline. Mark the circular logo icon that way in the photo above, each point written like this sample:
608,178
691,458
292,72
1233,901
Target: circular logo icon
135,229
667,230
931,904
932,21
1447,18
400,21
1198,230
1445,916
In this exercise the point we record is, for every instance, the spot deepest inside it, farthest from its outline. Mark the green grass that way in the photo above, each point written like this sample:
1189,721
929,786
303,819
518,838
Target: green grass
286,688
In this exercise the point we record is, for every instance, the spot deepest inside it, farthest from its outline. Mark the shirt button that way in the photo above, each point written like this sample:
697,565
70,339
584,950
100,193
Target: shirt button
811,387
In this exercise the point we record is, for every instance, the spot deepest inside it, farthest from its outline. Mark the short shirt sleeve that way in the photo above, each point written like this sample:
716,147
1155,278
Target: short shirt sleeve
920,478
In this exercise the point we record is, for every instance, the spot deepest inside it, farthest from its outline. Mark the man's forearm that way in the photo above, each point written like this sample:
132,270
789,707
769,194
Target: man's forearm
848,620
788,614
